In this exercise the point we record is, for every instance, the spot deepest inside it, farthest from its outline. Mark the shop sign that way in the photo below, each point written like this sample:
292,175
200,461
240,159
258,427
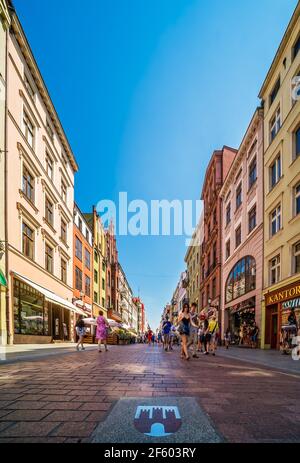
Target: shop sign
284,295
291,304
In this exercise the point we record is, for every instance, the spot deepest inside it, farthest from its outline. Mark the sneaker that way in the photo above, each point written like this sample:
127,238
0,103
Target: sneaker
195,356
205,353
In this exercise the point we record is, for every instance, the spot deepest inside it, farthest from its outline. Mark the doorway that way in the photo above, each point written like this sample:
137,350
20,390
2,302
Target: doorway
274,330
56,322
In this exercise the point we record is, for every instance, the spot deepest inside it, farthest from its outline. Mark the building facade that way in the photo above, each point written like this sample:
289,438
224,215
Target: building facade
282,185
126,295
112,276
83,265
210,273
99,262
39,204
4,26
242,236
192,260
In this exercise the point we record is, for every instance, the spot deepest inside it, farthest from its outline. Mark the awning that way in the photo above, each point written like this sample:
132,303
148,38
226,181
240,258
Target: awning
3,281
50,296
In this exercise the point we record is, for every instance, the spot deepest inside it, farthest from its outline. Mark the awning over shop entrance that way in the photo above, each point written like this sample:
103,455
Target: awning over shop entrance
49,295
3,281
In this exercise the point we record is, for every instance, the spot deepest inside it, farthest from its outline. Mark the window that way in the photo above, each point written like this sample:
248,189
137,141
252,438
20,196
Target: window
29,86
103,266
63,231
31,313
103,302
275,125
28,184
87,259
80,224
227,249
49,211
63,270
214,288
275,90
95,297
297,199
274,270
96,276
296,48
296,257
27,241
297,143
252,219
78,279
103,284
238,196
63,191
87,235
238,236
108,302
78,248
108,282
49,166
241,279
252,173
29,129
48,258
50,130
214,255
228,213
95,257
275,221
275,172
87,286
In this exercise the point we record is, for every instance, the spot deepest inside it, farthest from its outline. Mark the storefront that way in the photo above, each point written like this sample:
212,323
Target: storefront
40,316
279,305
241,321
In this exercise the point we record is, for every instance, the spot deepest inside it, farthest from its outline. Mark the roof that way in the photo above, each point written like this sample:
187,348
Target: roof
280,49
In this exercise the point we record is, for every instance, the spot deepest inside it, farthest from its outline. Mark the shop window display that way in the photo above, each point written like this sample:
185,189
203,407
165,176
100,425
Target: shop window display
241,279
31,315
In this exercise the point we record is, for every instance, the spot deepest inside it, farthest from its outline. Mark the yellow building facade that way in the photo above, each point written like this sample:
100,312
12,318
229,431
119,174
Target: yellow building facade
4,24
281,187
99,260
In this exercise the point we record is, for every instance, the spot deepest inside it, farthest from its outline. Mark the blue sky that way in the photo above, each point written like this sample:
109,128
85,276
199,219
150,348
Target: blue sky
146,90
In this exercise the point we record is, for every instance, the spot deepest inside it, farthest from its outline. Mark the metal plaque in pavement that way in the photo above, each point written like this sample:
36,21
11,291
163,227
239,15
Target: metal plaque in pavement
159,419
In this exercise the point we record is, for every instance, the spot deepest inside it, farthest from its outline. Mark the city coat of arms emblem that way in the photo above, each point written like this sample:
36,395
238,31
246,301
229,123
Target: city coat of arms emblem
157,421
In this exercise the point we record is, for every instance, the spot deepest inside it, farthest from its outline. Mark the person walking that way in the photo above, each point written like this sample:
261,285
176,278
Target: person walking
227,338
206,337
193,338
101,333
200,338
80,331
149,336
254,336
166,328
185,322
213,328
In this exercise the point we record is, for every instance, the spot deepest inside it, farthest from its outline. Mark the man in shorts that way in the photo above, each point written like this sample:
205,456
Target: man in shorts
166,328
213,328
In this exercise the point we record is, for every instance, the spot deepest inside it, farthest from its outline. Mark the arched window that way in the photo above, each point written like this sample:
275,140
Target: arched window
241,279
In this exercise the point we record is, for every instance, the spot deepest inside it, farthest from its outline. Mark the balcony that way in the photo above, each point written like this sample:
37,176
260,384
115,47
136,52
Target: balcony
114,315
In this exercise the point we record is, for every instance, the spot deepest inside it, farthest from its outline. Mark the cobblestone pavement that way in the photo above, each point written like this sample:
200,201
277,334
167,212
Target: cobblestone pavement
63,398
